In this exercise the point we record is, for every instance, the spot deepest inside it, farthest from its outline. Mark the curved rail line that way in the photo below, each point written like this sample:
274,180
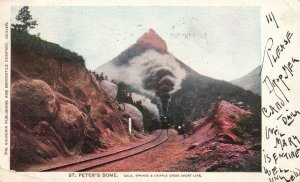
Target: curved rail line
124,157
58,168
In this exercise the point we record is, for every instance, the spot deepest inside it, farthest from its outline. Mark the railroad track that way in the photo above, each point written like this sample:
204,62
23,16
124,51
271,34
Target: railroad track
98,161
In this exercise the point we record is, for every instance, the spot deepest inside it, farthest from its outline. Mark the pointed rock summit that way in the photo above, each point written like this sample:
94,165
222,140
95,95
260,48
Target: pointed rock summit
150,40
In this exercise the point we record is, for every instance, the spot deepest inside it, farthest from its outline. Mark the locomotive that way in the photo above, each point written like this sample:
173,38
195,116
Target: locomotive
164,122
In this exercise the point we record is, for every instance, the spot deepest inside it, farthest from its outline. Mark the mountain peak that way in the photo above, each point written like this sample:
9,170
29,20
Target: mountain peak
151,39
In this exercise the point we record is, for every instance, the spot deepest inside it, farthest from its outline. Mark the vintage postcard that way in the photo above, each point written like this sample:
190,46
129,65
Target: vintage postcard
139,91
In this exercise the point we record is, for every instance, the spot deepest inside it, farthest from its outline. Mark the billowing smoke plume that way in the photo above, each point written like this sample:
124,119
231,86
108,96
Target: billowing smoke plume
151,73
162,81
146,102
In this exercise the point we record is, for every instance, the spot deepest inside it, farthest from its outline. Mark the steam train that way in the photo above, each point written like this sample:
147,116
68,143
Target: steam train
164,122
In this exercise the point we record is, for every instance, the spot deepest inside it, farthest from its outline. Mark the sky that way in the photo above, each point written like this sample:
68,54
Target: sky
219,42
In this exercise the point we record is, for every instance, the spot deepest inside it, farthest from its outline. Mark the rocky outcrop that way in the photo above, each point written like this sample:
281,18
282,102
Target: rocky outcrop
58,110
32,100
129,110
226,117
217,146
45,127
69,119
110,88
34,144
33,139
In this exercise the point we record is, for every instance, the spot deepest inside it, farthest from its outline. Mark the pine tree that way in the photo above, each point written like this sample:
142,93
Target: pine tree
101,76
25,19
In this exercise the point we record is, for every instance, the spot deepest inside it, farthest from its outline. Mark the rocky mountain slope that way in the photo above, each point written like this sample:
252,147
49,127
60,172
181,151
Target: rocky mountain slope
179,92
58,108
250,81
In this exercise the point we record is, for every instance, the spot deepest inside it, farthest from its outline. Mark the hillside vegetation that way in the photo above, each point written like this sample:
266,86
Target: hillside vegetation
24,42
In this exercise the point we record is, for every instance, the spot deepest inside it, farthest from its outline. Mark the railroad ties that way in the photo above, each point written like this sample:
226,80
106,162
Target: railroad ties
91,163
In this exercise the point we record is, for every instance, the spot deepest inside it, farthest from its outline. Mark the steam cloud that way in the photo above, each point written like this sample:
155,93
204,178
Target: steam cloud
151,72
146,102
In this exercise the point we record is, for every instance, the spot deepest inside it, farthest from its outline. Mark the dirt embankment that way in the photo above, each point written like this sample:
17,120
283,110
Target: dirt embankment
59,110
223,142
